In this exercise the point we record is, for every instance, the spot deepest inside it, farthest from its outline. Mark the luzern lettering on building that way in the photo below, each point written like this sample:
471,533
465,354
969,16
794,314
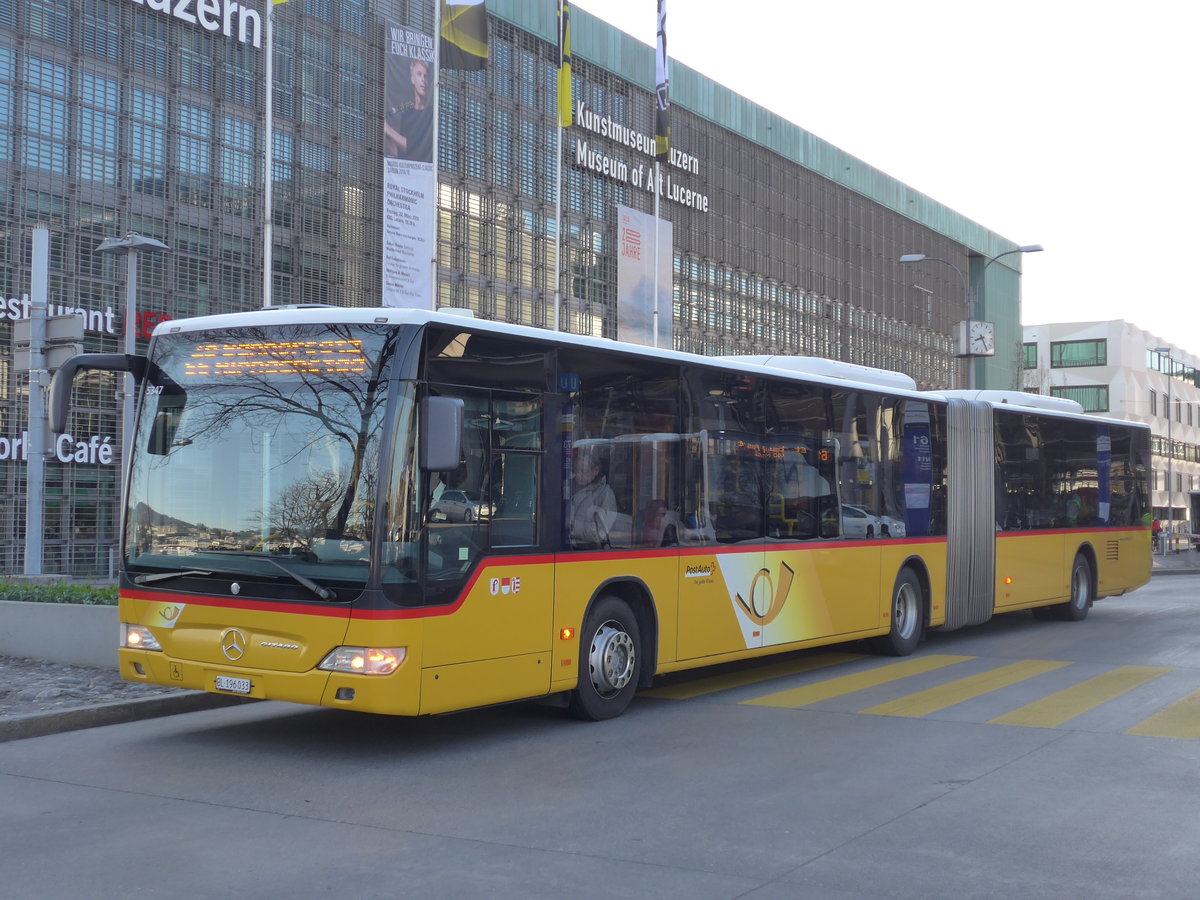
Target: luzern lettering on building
634,140
226,17
639,176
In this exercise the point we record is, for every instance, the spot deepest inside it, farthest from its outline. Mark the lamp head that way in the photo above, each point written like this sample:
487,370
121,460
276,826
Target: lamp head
131,242
912,257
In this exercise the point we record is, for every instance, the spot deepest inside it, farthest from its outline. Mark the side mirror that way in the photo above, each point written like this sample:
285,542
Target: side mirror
441,433
166,422
60,386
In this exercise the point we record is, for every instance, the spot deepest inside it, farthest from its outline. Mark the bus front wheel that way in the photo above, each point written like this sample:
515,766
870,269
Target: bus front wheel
907,616
609,661
1082,593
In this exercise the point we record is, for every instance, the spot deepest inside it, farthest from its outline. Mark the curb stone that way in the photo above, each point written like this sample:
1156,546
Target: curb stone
114,713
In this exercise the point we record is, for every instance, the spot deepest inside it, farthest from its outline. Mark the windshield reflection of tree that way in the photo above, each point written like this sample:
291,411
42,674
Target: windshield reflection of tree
314,420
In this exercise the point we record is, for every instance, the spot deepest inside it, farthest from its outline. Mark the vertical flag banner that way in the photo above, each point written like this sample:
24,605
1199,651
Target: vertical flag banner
409,177
636,280
566,113
464,35
662,91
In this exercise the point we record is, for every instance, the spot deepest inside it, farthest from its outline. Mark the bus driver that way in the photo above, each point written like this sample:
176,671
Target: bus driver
593,504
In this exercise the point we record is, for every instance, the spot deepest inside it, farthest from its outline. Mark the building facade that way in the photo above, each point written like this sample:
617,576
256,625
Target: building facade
1116,369
147,116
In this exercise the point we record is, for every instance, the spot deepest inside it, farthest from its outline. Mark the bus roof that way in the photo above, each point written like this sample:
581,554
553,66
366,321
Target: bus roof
798,367
1040,403
816,368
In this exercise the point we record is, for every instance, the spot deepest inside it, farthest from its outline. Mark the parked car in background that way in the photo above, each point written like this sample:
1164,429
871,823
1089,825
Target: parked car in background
890,527
858,523
459,506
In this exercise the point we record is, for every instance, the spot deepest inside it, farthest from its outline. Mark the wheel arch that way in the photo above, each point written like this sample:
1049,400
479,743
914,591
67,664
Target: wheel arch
1088,552
635,592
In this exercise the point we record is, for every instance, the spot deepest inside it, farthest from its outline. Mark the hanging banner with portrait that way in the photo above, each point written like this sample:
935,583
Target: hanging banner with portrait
409,178
636,282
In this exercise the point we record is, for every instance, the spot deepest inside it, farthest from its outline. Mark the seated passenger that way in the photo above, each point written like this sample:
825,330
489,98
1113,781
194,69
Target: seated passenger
593,504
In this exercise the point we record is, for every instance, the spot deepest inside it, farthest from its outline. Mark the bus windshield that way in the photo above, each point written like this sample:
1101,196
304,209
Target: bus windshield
258,449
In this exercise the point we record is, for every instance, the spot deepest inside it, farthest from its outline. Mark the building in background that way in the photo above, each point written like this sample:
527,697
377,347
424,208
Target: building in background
1117,369
122,116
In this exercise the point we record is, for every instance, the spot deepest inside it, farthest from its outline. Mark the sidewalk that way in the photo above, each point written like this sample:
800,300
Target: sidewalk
38,697
1177,562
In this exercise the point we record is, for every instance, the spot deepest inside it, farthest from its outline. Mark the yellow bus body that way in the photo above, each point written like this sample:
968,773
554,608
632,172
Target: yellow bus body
514,633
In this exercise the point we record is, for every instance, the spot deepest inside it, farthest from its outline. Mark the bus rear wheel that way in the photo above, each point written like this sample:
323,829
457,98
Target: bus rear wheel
907,615
609,661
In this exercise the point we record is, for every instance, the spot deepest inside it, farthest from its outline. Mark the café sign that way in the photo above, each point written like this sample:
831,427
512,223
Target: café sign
96,450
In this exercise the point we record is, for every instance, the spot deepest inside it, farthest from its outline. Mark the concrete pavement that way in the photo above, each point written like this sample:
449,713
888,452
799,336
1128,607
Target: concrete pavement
1177,562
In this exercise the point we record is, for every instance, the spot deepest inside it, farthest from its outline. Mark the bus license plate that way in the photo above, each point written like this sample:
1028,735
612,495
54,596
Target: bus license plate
233,685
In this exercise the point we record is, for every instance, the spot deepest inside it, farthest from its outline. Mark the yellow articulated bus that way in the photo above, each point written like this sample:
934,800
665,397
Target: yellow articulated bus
406,512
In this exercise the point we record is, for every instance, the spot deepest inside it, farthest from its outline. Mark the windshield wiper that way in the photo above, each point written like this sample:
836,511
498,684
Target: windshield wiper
163,576
323,592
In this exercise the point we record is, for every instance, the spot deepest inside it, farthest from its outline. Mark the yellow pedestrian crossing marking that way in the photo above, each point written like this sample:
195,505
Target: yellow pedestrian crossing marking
689,689
923,703
1052,711
1179,720
848,684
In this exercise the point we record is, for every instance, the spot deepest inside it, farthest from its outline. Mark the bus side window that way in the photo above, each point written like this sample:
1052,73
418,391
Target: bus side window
621,451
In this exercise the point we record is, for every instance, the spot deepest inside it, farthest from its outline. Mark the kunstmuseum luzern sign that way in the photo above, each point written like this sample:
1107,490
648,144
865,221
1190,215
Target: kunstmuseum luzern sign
639,175
226,17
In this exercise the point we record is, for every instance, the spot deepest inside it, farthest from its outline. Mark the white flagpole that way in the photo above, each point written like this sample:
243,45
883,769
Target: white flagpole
268,157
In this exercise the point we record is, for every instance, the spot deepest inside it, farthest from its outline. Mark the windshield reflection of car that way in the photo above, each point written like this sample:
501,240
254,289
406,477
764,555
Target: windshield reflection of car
459,506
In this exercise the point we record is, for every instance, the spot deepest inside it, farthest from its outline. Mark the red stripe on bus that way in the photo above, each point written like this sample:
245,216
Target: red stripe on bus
1101,530
316,609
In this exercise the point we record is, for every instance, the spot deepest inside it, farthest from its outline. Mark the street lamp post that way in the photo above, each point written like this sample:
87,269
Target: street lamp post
130,245
970,294
1166,351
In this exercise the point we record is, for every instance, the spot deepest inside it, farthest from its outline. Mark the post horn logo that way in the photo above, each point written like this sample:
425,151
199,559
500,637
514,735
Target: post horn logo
778,594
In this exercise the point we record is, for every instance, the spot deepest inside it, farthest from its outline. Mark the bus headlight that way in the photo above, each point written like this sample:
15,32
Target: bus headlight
364,660
138,637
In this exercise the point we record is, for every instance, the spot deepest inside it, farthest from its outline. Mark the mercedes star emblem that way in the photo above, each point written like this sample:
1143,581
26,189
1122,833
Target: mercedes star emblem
233,644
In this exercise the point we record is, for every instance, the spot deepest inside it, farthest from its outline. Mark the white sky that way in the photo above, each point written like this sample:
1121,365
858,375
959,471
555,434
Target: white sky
1065,123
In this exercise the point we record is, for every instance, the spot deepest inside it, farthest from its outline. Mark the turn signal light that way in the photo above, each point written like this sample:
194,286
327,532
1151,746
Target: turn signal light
566,634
